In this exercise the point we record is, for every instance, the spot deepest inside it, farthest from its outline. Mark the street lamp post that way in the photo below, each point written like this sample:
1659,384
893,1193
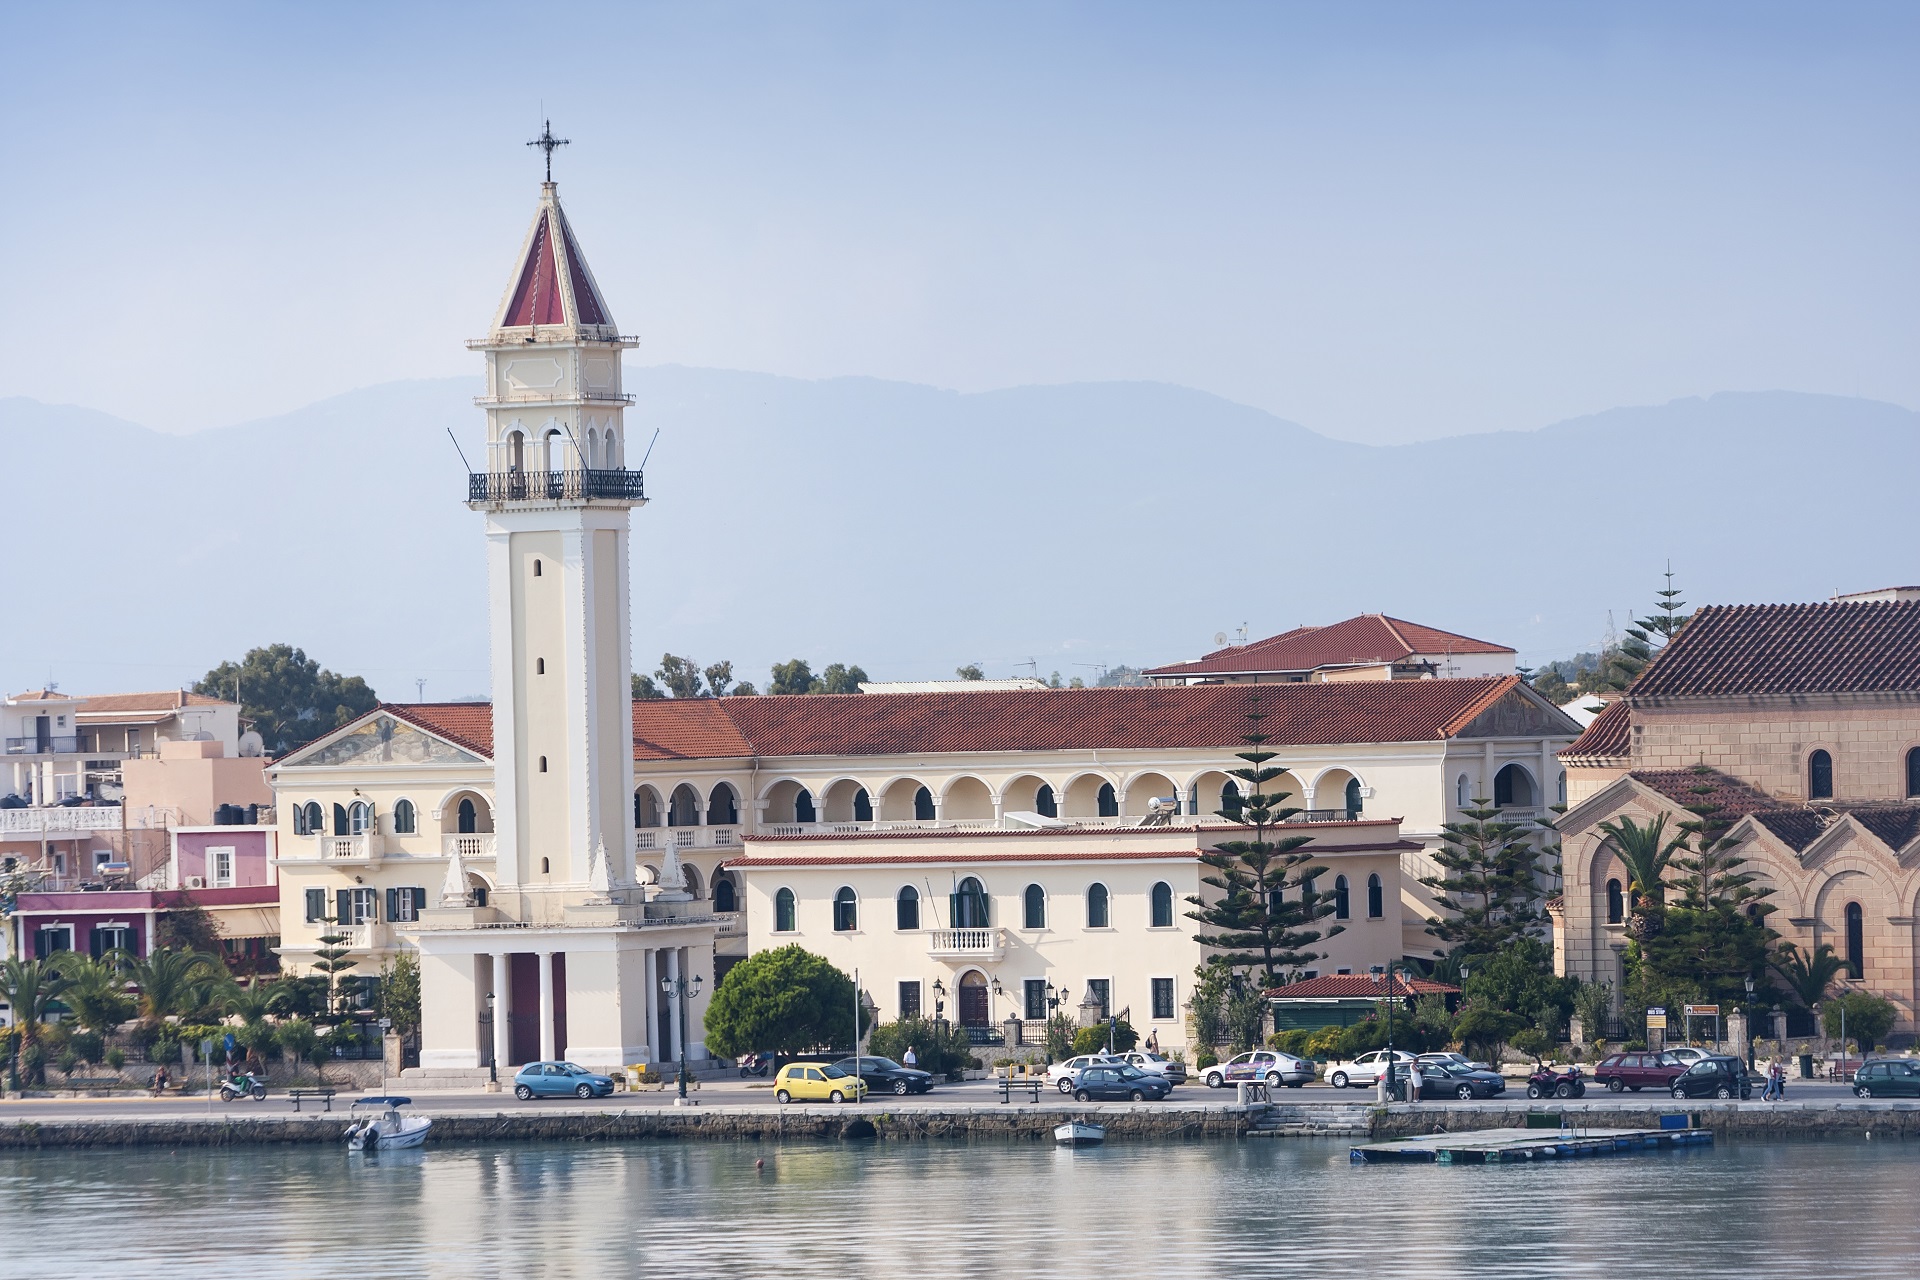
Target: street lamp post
1748,1013
493,1038
681,990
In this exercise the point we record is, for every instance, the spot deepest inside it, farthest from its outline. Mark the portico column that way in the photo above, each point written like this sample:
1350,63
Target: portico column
673,1006
501,1007
650,971
547,1049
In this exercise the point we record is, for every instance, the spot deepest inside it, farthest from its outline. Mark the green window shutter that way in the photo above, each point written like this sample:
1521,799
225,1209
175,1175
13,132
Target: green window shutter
316,904
343,905
393,902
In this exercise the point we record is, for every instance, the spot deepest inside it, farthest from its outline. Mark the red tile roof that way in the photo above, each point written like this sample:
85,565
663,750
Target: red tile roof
537,297
1357,986
1168,717
1608,737
1850,647
1371,637
163,700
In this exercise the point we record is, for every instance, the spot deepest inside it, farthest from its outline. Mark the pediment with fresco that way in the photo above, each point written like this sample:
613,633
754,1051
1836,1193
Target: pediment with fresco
1518,716
385,740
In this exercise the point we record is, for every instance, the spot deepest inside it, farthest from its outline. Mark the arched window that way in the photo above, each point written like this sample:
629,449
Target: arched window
1044,803
723,806
862,806
1616,903
1099,906
1561,788
468,820
1036,904
783,911
1376,899
923,805
1341,907
1513,786
906,908
1193,800
1230,800
969,906
1353,799
1106,804
846,910
359,817
1913,772
724,898
683,808
1856,941
1460,788
516,451
646,808
403,818
692,875
1819,776
1160,910
803,806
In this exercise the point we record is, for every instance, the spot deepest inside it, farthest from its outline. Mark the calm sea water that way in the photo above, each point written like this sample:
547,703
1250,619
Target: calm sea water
1249,1209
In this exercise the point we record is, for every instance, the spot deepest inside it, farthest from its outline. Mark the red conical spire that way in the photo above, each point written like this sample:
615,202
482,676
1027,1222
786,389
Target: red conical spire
552,284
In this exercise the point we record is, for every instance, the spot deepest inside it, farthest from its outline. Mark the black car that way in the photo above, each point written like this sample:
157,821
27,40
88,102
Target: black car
1714,1077
1119,1082
1449,1080
884,1075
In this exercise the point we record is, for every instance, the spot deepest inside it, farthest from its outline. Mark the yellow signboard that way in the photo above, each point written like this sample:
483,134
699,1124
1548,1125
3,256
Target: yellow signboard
1656,1021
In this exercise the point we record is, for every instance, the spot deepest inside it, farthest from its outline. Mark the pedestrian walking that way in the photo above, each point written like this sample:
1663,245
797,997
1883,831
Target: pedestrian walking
1153,1041
1776,1081
909,1060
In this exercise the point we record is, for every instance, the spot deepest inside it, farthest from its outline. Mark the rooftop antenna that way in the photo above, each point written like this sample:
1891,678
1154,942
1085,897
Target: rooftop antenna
420,689
1031,662
649,452
462,452
1242,629
547,143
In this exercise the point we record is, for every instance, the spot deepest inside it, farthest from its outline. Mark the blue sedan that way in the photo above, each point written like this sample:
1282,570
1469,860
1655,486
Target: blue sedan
559,1080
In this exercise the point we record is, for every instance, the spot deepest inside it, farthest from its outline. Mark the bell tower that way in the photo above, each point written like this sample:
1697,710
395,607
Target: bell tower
556,492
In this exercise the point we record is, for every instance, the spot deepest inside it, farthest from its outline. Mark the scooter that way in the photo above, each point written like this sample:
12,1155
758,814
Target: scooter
757,1064
1545,1082
243,1084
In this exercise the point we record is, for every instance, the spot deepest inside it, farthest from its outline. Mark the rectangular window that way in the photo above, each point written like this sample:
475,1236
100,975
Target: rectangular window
360,907
910,999
1102,989
110,937
316,905
220,864
1163,997
1036,999
50,939
405,905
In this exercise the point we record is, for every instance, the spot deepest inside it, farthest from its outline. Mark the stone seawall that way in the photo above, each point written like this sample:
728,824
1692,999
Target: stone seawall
1147,1122
1758,1120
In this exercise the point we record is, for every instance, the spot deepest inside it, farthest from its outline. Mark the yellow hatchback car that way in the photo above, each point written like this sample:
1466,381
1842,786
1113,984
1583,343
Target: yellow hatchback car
817,1082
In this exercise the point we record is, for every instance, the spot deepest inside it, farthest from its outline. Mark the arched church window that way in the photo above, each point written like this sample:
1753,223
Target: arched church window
1856,941
1044,804
863,808
1376,898
403,818
1913,772
1353,799
1106,804
1819,776
783,911
803,806
469,817
1616,903
923,805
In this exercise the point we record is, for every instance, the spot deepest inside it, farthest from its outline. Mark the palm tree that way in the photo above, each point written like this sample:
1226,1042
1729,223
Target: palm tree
97,993
1646,854
173,982
29,987
1808,975
252,1003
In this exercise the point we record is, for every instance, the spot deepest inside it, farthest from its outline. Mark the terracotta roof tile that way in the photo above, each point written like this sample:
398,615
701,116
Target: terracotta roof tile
1608,737
689,729
162,700
1371,637
1735,798
1857,647
1351,986
1895,824
466,724
1798,828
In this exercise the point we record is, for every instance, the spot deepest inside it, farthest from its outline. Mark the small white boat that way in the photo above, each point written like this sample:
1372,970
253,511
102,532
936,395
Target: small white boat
387,1129
1079,1133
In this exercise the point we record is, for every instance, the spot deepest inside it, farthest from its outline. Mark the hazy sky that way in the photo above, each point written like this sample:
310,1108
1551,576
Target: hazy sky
1384,221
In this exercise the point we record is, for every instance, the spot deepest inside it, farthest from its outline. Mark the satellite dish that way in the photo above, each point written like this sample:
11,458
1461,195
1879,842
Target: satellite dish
1219,637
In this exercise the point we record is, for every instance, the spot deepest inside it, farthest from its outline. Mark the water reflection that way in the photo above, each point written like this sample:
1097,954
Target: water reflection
1201,1209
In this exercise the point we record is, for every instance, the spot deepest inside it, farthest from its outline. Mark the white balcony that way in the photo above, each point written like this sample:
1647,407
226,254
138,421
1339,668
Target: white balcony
687,838
370,936
967,944
55,819
470,846
368,847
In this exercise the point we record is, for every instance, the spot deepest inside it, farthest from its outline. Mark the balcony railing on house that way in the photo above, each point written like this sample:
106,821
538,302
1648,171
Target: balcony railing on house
1014,824
38,746
59,818
966,944
555,486
686,837
368,846
470,845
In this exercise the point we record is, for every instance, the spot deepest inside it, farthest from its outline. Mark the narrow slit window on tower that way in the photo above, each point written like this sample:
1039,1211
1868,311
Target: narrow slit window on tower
546,865
539,666
536,566
543,764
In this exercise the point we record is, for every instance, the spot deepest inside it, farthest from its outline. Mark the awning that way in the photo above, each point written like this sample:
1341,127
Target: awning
124,717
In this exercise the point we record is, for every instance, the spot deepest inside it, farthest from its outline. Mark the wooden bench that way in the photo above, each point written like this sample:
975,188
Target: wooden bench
296,1096
77,1083
1032,1084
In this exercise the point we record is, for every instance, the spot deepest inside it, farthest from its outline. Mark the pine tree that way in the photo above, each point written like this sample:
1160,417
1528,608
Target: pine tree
1645,638
1490,887
1264,919
333,958
1716,936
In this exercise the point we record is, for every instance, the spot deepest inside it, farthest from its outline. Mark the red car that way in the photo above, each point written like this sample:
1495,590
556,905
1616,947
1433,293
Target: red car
1637,1071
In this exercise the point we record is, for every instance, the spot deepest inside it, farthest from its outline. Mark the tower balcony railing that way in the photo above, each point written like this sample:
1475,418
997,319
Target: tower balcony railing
967,944
555,486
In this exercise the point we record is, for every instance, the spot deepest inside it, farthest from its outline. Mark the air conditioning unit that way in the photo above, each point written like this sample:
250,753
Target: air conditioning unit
196,882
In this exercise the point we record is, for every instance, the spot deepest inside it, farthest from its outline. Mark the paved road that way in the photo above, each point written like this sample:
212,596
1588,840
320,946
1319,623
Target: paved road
736,1092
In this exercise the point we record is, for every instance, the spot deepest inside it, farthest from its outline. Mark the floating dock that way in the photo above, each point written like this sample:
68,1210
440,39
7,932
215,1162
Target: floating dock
1514,1146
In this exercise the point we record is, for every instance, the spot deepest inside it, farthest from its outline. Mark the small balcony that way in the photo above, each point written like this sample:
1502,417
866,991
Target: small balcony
38,746
967,944
469,846
368,846
653,838
555,486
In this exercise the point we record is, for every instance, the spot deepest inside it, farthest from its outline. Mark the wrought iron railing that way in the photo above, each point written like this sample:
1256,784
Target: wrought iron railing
555,486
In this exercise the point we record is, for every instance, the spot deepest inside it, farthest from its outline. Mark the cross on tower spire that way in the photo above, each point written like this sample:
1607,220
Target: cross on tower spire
547,142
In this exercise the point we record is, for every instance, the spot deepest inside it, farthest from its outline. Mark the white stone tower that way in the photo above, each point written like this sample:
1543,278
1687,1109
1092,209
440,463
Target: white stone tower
556,493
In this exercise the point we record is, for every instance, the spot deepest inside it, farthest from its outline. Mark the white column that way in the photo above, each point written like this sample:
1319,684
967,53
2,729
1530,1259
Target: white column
547,1049
650,970
500,1010
673,1006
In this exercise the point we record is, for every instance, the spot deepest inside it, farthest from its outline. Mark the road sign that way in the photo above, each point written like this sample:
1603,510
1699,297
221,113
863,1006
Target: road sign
1703,1010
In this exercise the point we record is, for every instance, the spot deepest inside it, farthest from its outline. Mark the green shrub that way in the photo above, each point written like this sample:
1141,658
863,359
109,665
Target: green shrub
1533,1042
68,1061
89,1046
1094,1039
1204,1059
116,1058
1060,1031
945,1052
1295,1042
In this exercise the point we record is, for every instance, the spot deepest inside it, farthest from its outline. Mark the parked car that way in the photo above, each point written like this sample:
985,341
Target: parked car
1888,1078
1119,1082
1545,1082
1446,1080
1062,1073
1458,1060
1364,1070
1715,1076
1686,1055
559,1080
1637,1071
1155,1065
1269,1066
888,1076
817,1082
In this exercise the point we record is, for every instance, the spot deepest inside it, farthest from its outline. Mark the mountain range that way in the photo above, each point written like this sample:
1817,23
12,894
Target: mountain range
911,529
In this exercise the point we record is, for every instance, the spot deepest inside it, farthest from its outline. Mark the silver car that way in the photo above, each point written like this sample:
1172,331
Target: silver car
1155,1065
